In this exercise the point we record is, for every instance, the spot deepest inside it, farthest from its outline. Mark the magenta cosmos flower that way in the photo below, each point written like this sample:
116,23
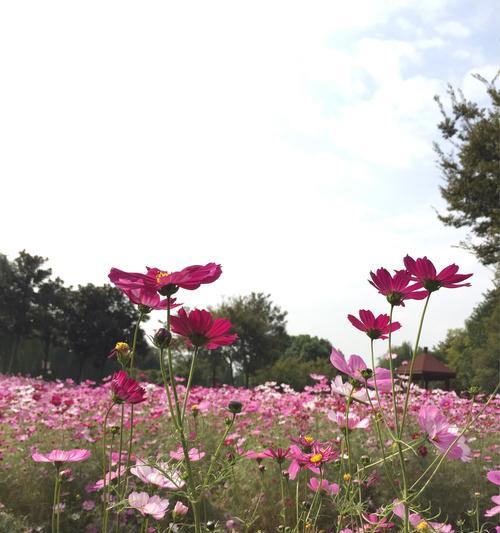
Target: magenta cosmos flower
125,389
61,456
432,421
317,484
396,288
354,368
375,328
201,329
424,272
319,455
165,282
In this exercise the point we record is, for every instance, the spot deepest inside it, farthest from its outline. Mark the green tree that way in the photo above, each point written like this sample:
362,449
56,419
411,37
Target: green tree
403,352
21,280
473,352
261,329
96,318
471,169
50,303
308,348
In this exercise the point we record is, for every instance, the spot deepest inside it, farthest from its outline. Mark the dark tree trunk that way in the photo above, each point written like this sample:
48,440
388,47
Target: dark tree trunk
13,353
45,361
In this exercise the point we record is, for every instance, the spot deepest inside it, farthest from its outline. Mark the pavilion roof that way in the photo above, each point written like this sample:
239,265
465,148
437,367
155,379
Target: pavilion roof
427,365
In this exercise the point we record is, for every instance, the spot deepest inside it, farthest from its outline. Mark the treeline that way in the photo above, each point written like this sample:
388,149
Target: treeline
49,329
52,330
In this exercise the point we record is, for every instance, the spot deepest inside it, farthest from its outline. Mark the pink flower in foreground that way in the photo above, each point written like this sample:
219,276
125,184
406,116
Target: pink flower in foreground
148,505
353,421
189,278
424,272
319,455
494,477
396,288
165,478
377,523
148,298
164,282
418,522
201,329
439,433
180,509
110,476
126,389
194,454
354,367
61,456
329,488
375,328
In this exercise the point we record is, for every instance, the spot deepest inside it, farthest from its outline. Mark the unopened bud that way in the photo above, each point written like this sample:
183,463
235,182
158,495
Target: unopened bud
346,477
367,373
285,474
365,460
262,468
195,409
235,407
162,338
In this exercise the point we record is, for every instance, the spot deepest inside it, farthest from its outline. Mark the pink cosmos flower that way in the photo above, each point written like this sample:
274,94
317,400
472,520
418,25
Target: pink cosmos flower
88,505
98,485
149,474
326,486
416,520
377,523
194,454
279,454
347,390
189,278
351,422
356,365
126,389
166,282
61,456
201,329
319,455
494,477
148,505
148,298
424,272
396,288
180,509
439,433
375,328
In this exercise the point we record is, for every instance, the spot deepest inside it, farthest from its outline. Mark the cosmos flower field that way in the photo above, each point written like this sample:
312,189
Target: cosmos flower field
366,452
38,415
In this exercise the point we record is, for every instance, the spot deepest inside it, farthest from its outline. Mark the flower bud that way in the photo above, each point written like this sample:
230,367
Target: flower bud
235,407
365,460
262,468
346,477
367,373
195,409
162,338
211,525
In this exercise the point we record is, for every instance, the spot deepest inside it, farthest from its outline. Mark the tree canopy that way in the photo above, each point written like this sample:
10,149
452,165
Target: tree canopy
471,169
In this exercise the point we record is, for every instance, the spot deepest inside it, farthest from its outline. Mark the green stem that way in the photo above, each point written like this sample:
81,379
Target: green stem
120,446
218,450
55,501
176,415
134,340
283,499
410,375
393,387
188,386
104,527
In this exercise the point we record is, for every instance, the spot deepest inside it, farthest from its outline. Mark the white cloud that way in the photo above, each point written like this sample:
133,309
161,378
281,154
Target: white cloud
266,136
453,28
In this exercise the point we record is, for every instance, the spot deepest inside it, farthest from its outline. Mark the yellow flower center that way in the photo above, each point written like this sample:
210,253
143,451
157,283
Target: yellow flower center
347,478
161,275
316,458
195,407
122,347
308,439
423,526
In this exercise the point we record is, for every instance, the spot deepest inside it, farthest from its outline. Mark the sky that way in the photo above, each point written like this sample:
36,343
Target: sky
289,141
